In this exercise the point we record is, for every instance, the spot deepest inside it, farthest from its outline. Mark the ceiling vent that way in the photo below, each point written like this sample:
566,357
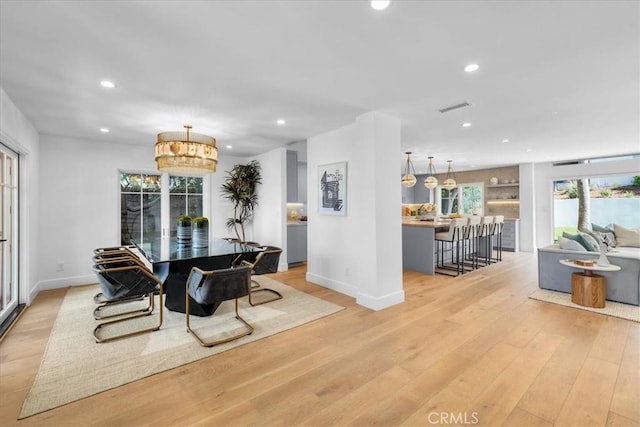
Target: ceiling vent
454,107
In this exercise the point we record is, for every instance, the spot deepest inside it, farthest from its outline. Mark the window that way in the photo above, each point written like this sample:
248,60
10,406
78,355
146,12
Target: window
139,206
185,197
604,201
464,199
143,197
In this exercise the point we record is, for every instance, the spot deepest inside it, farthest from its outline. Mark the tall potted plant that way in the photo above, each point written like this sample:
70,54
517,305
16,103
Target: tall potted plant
240,188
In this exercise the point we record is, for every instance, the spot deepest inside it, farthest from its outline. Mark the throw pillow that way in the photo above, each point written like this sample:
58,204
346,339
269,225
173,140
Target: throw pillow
575,238
570,244
608,238
590,244
607,229
627,236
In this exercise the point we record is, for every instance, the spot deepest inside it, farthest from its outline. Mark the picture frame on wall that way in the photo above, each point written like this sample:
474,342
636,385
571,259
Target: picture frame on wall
332,189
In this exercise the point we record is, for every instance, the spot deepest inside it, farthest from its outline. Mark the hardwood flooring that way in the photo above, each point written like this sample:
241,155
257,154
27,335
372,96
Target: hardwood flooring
472,350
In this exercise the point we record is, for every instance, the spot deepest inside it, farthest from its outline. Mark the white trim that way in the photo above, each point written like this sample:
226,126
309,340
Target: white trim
380,303
335,285
66,282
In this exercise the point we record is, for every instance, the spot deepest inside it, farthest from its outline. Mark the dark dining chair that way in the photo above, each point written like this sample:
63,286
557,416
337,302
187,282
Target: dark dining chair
266,263
122,281
214,287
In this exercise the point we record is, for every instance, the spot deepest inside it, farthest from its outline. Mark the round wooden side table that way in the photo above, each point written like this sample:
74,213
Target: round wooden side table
588,289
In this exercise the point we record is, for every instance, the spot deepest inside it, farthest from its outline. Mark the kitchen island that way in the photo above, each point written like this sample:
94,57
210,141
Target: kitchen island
419,245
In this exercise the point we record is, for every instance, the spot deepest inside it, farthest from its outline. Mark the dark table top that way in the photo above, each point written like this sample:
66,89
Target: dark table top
159,250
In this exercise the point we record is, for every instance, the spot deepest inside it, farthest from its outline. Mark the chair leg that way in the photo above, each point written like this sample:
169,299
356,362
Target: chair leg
125,319
98,314
248,329
255,285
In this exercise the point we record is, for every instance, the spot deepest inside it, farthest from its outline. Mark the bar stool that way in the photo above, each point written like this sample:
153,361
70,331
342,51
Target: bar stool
484,239
498,222
455,235
471,241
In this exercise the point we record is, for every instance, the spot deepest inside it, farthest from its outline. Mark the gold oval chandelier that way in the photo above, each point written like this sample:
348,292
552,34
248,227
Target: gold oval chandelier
186,153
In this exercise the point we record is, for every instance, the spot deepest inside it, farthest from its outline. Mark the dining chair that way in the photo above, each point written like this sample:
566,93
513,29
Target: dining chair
120,281
214,287
266,263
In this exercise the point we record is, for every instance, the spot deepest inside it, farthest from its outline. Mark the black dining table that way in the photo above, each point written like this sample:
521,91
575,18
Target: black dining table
172,261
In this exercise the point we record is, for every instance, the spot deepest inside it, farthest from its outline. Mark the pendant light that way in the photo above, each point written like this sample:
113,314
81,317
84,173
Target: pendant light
409,177
186,153
450,178
431,181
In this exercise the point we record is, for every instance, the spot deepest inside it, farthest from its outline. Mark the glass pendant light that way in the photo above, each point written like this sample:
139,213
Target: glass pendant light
450,178
431,181
409,177
186,153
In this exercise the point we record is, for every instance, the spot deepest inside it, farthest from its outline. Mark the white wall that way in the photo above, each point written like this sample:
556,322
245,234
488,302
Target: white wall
270,222
546,173
18,133
359,254
80,199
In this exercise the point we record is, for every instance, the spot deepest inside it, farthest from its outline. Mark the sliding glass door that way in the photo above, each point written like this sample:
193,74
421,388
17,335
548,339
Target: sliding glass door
8,232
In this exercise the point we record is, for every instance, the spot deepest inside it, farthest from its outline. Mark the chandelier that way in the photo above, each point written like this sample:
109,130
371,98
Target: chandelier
409,177
431,181
450,178
186,153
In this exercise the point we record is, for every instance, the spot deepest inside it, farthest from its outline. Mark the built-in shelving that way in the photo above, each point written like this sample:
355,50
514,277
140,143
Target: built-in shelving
503,185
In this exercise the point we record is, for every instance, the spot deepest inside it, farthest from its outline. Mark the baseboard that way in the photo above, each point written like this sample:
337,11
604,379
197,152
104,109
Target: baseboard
334,285
380,303
65,282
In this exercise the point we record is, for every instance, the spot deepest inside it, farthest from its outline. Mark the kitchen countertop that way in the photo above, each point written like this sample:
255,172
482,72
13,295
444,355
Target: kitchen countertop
428,224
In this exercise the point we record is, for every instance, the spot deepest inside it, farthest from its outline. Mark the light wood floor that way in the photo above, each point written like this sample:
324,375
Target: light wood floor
467,350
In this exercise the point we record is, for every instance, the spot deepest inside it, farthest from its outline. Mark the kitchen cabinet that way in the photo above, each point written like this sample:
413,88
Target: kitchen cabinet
302,182
296,243
292,177
511,235
421,194
407,194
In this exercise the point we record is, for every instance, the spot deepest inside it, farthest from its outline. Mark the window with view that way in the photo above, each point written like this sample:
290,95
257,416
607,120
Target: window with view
185,197
141,204
140,200
602,201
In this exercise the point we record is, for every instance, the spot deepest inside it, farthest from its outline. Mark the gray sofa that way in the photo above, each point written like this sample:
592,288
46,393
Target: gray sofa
622,286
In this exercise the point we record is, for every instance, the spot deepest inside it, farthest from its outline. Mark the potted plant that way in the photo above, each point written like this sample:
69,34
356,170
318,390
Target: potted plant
240,188
183,231
200,227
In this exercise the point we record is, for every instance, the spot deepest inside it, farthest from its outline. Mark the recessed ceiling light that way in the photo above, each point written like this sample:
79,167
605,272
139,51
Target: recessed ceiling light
104,130
280,122
229,147
108,84
380,4
529,150
466,124
471,68
505,140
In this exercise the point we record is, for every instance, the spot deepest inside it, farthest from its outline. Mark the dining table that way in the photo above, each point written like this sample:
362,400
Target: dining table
172,260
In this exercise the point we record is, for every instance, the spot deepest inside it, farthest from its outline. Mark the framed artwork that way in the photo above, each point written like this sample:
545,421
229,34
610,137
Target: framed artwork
332,189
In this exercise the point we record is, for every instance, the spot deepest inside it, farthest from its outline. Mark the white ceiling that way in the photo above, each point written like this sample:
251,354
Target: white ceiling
560,78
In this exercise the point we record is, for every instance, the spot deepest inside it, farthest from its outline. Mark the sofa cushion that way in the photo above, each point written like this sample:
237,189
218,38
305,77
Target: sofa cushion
570,244
589,242
601,229
578,238
627,236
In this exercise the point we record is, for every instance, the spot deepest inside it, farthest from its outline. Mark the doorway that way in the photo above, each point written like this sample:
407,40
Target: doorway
8,234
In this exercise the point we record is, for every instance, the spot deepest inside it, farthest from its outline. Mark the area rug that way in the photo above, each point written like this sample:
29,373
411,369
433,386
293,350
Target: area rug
74,366
611,308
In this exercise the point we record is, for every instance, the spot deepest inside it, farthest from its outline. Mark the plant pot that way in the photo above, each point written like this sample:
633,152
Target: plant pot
200,236
183,232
